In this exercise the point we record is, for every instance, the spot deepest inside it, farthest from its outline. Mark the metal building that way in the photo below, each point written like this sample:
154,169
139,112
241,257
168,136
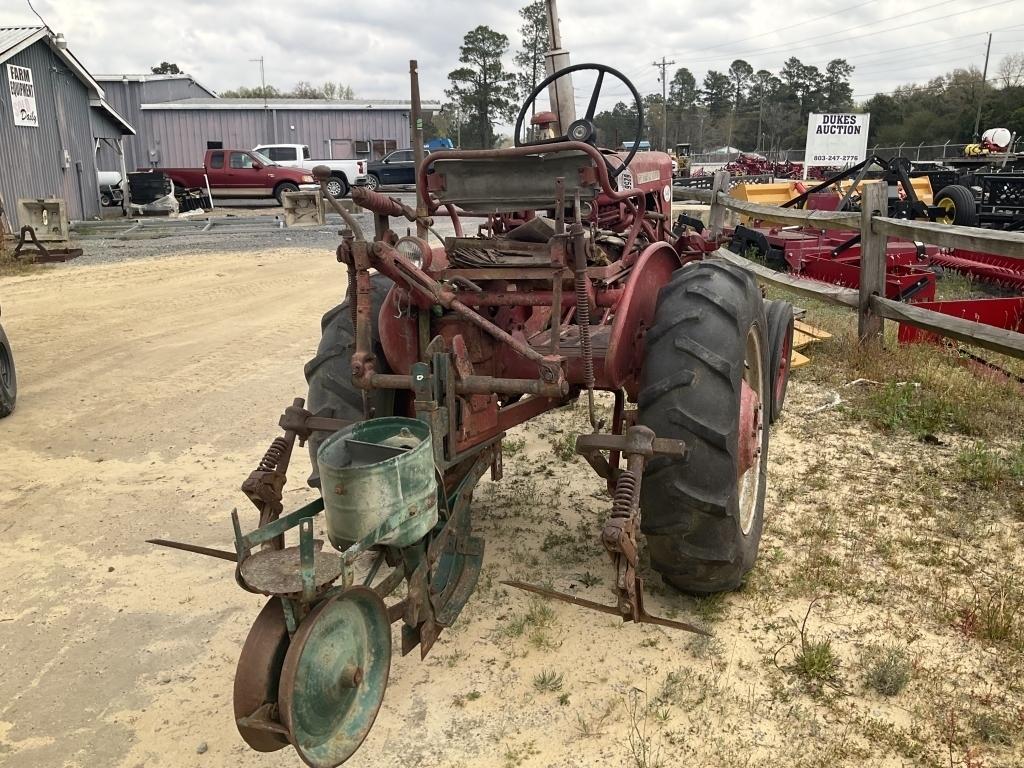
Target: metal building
178,133
52,116
127,94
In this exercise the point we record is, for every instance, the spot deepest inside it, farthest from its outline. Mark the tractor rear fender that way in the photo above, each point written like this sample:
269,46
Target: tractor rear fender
635,313
398,331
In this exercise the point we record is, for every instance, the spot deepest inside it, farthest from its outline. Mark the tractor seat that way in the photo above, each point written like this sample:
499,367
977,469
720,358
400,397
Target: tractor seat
509,184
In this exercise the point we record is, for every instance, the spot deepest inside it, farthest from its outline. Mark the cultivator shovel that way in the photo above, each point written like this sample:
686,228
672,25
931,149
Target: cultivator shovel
619,534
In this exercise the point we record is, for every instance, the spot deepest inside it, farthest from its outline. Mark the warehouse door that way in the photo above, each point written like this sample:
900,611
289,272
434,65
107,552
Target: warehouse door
342,149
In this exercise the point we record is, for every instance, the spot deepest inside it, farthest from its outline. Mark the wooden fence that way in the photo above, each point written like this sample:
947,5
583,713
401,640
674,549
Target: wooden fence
869,301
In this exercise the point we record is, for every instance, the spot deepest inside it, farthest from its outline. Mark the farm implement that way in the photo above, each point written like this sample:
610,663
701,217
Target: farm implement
833,256
572,284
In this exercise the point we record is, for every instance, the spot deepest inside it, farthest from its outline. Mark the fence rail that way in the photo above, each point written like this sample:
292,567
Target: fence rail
869,301
922,151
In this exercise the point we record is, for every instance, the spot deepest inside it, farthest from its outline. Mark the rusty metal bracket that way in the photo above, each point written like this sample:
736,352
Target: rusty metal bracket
618,536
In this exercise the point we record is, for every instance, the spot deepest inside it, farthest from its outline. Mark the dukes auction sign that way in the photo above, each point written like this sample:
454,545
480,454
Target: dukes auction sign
838,140
23,96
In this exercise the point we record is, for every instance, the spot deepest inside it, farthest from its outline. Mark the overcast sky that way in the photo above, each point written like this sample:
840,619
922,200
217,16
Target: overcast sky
367,43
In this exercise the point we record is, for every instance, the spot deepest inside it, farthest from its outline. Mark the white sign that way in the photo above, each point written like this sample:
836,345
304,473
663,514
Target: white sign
23,96
836,140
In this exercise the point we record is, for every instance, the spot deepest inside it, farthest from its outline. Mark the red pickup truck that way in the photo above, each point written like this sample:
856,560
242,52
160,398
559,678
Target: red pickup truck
240,173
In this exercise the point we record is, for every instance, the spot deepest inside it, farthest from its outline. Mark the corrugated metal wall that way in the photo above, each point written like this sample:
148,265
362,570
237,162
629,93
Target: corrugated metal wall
32,160
126,96
178,137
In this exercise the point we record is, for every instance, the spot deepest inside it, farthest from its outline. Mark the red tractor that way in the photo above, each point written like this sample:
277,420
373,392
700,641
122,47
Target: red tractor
573,283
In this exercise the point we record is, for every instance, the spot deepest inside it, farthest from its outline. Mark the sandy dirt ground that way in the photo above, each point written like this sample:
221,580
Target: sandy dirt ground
149,389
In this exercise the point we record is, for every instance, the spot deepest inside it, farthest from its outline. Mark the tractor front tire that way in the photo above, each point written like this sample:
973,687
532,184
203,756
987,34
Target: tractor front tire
331,391
8,378
779,315
958,204
701,516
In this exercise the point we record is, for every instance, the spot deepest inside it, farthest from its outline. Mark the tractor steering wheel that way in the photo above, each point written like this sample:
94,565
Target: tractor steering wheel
584,129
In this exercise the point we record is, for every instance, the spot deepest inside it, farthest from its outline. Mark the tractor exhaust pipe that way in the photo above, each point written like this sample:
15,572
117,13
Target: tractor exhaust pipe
560,92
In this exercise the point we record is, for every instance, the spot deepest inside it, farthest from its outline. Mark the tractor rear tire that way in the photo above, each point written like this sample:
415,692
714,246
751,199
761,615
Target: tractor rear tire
780,350
8,378
331,391
959,204
701,518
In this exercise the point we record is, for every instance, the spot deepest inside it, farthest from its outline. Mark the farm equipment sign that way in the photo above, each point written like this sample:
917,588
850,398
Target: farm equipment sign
23,96
837,140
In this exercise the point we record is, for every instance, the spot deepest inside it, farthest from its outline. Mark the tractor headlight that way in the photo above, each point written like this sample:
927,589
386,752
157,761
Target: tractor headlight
415,250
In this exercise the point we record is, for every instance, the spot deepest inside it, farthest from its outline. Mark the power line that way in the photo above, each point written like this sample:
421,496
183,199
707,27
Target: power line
789,26
788,46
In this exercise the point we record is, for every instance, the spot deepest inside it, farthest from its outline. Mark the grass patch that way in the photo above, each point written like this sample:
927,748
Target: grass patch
711,608
9,266
816,662
535,624
564,445
996,614
594,725
922,388
512,446
987,469
548,681
992,728
887,669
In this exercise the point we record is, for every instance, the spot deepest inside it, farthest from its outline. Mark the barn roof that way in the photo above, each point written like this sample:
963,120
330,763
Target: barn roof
285,104
14,40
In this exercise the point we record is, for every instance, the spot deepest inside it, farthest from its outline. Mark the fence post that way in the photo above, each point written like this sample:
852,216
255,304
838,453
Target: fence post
716,216
872,261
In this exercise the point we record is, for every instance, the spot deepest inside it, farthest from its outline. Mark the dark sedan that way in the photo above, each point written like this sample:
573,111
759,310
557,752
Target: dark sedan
398,167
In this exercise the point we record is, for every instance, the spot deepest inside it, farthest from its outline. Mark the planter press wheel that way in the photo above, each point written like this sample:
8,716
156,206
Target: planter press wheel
334,676
258,672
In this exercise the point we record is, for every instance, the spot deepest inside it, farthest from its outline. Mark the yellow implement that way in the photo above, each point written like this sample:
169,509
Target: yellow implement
804,335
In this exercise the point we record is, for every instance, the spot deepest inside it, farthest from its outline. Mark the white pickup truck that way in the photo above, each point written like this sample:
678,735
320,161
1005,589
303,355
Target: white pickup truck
345,174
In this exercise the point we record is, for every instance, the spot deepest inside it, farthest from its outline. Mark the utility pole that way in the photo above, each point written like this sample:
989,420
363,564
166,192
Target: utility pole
263,80
981,92
664,102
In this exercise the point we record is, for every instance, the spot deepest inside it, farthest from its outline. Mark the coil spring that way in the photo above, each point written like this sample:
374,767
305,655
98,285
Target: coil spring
350,297
583,321
272,457
625,490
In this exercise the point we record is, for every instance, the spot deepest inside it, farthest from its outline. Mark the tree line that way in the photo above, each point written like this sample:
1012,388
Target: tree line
301,90
743,106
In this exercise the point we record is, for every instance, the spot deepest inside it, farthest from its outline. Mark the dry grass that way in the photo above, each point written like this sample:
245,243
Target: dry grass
9,266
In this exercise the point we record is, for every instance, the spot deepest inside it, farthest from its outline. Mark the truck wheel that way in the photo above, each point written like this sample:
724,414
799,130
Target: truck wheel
331,391
373,182
8,378
280,189
337,187
958,206
780,351
106,200
705,381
